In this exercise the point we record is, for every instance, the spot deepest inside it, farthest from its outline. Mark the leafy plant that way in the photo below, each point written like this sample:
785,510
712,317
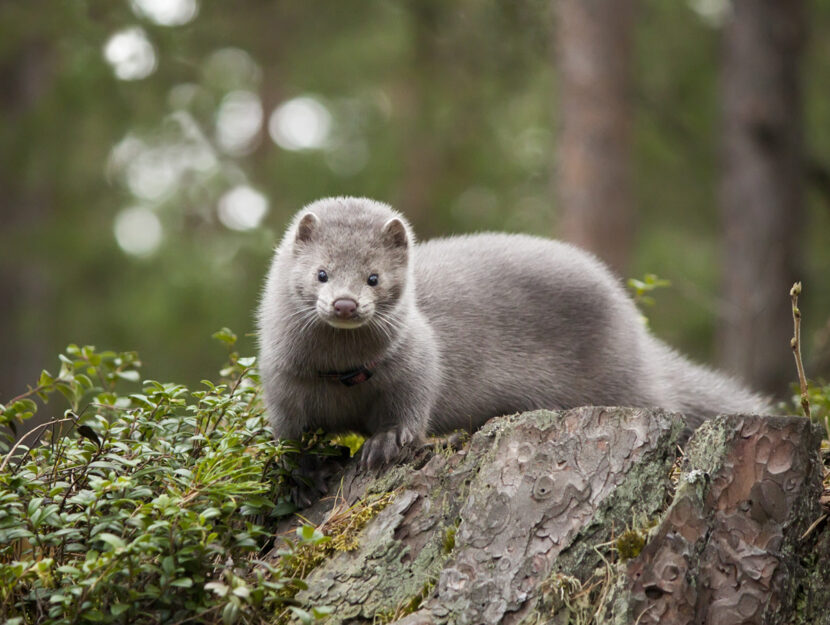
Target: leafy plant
643,288
146,505
818,396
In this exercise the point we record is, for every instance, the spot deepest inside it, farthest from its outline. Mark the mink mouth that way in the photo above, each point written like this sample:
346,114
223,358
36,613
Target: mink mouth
345,324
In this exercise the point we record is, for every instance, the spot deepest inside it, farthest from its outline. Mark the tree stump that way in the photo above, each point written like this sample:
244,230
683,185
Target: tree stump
551,517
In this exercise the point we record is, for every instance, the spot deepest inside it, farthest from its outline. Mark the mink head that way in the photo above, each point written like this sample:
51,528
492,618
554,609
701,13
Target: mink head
350,261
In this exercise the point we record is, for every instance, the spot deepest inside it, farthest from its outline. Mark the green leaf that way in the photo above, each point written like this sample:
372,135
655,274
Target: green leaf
217,587
230,614
225,335
46,378
22,409
131,376
310,534
116,542
301,614
89,433
83,380
210,513
168,565
306,532
34,506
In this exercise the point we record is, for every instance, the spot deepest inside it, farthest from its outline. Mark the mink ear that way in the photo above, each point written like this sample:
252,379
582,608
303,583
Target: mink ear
305,229
394,234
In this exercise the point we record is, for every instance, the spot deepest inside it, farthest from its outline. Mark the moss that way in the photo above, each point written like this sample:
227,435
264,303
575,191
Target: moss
342,530
449,539
449,536
418,599
568,600
630,544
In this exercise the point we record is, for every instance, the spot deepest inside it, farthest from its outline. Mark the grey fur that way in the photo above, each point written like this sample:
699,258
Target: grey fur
463,329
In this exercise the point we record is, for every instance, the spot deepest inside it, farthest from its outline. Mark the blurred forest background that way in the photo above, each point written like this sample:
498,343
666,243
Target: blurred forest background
152,151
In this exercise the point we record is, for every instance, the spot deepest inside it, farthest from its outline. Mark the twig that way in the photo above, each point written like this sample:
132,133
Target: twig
813,526
795,343
26,435
35,390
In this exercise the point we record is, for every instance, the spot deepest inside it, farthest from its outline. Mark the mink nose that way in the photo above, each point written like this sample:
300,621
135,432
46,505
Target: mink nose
345,308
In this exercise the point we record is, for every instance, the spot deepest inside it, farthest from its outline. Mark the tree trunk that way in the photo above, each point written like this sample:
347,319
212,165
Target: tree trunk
24,292
585,515
762,188
594,53
422,156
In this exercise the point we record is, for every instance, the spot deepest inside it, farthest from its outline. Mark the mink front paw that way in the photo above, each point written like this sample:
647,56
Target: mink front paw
384,447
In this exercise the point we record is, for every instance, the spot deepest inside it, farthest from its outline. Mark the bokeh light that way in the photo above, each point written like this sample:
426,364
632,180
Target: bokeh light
713,12
242,208
303,123
166,12
230,69
153,169
131,54
238,121
138,231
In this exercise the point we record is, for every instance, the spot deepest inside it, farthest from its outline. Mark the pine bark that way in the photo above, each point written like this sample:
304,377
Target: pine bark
762,206
524,525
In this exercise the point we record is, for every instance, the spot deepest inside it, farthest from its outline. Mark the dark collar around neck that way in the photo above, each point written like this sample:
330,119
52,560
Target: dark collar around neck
352,376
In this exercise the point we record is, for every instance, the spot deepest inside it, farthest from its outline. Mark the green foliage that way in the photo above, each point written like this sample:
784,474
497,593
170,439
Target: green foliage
641,288
818,395
352,441
147,505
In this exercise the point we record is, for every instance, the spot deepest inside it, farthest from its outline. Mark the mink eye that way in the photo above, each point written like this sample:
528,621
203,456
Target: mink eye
322,276
373,280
